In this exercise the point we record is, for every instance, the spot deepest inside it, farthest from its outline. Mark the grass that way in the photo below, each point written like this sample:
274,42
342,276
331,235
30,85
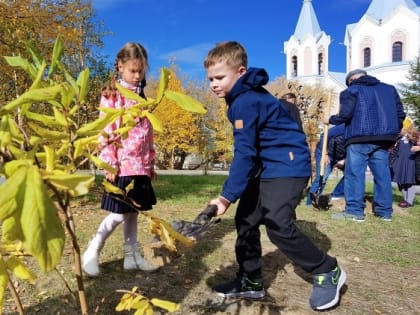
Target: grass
381,259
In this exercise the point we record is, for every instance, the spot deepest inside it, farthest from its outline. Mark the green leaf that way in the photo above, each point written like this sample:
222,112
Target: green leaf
83,83
163,83
60,117
37,59
4,279
48,134
156,123
186,102
49,158
75,184
129,94
80,145
46,120
19,62
33,96
68,76
67,95
42,229
99,124
5,135
56,55
40,75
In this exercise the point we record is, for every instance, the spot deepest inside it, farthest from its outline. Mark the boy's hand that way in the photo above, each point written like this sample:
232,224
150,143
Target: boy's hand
222,205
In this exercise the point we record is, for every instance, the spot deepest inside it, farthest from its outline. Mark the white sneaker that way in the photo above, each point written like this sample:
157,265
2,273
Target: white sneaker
133,260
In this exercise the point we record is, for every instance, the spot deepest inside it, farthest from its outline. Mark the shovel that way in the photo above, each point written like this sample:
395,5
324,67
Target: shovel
197,228
320,201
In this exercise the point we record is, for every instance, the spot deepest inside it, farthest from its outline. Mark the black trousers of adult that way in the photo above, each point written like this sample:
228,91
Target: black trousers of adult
272,203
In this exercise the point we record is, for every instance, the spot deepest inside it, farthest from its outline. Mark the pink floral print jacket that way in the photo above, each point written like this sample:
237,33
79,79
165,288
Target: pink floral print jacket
131,155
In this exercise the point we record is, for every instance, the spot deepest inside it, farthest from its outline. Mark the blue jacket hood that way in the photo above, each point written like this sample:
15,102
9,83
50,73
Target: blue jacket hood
253,78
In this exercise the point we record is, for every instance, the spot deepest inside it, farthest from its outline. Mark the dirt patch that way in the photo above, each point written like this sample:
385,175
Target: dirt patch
373,287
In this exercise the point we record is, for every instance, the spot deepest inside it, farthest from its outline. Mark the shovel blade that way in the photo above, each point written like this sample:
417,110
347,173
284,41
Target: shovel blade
321,202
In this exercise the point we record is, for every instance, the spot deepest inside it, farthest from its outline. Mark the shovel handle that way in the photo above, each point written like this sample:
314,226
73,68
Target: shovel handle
325,139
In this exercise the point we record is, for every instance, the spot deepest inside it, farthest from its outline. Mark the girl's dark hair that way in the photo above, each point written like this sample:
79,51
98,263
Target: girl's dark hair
129,51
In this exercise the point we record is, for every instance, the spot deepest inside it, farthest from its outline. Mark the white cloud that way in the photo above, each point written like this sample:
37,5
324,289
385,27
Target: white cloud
193,54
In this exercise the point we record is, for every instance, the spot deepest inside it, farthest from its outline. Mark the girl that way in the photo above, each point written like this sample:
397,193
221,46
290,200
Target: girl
133,157
403,164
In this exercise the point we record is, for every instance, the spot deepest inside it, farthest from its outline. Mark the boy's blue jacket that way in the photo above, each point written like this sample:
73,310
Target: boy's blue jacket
267,140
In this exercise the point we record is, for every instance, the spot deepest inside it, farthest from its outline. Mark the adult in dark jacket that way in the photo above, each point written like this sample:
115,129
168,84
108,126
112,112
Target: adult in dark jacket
336,152
288,101
373,114
270,169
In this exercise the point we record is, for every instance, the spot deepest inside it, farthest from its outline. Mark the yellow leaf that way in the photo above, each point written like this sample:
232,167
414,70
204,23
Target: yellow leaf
163,83
143,307
75,184
19,269
186,102
167,233
166,305
102,165
128,188
110,188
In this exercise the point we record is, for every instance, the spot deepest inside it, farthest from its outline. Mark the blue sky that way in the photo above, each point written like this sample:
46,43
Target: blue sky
186,30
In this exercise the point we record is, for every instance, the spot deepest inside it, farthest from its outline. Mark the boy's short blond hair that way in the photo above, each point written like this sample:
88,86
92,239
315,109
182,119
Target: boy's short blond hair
231,52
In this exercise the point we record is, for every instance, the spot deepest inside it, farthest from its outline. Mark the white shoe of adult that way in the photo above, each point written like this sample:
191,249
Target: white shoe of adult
90,258
133,260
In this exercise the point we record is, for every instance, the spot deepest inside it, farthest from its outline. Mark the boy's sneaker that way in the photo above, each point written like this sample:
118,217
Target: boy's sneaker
326,292
241,287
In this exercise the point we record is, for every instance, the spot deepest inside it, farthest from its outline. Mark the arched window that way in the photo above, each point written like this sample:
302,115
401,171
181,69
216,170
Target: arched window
294,66
366,57
320,63
397,51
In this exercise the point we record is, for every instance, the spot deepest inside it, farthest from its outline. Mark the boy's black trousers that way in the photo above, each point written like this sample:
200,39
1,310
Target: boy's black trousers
272,202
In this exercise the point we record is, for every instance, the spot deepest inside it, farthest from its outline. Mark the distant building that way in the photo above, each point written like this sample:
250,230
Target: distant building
384,42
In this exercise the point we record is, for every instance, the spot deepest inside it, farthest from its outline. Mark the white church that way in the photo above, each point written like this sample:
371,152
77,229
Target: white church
384,42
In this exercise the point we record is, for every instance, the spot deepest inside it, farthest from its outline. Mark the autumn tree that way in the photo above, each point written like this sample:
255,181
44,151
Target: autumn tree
216,138
181,134
312,105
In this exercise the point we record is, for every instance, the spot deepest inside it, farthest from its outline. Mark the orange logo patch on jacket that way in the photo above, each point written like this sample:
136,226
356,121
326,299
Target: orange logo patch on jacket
239,124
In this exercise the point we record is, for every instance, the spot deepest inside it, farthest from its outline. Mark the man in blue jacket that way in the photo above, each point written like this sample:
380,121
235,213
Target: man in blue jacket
373,114
270,169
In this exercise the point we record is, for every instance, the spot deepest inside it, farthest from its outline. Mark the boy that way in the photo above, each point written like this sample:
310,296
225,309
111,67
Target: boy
269,171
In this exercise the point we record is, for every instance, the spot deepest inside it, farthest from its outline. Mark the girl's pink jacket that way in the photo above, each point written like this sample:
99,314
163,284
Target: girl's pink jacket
131,155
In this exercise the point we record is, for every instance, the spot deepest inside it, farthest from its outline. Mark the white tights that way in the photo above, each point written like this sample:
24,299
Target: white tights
112,220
